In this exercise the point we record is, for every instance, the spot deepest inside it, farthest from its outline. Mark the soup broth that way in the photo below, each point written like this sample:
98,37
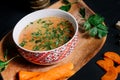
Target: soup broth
46,34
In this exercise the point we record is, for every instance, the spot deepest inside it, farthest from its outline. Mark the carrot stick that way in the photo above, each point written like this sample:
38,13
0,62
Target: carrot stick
56,73
53,76
25,75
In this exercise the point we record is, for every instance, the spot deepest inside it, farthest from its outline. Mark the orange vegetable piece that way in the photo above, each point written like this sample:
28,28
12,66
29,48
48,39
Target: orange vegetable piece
56,73
108,65
109,61
105,64
25,75
111,74
114,56
118,68
59,74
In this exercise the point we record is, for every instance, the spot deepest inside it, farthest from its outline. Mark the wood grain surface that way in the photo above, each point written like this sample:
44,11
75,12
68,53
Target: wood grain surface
86,48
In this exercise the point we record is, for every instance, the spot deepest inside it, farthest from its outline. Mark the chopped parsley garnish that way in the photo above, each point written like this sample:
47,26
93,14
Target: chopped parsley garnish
36,34
22,44
47,34
36,48
39,21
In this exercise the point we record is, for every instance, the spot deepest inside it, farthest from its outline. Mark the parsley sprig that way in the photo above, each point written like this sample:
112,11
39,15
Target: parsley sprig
94,24
4,64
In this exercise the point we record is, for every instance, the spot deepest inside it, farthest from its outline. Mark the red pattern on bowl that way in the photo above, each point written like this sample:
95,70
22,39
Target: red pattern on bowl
52,56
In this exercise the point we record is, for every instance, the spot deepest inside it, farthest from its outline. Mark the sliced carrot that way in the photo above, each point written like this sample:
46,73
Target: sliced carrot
114,56
105,64
111,74
25,75
108,65
109,61
102,64
118,68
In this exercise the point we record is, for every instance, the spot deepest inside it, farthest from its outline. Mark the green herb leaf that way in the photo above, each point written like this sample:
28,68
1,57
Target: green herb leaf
22,43
65,1
31,40
3,64
43,22
94,24
95,19
102,33
93,32
38,41
39,21
87,25
102,27
66,38
65,7
82,12
48,45
36,34
57,43
35,48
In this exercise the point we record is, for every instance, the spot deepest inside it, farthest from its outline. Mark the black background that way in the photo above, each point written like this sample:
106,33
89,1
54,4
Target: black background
11,11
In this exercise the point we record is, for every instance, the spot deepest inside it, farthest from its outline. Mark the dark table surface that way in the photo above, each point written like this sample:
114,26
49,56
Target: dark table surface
12,11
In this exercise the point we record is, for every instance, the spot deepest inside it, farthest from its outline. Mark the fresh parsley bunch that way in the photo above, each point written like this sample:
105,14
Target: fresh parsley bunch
94,25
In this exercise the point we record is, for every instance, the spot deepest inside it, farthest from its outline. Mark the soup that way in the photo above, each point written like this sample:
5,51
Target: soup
46,34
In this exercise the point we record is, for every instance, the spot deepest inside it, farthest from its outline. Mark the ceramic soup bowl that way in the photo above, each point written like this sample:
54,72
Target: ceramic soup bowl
47,57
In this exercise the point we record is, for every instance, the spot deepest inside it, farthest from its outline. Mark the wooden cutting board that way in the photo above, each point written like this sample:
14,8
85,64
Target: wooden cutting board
86,48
